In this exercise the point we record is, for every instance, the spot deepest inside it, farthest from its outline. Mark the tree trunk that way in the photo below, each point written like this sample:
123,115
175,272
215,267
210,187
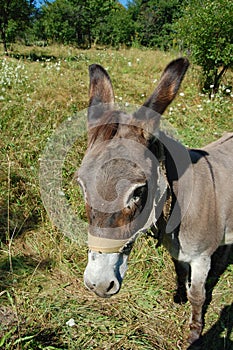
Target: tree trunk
218,78
3,35
213,79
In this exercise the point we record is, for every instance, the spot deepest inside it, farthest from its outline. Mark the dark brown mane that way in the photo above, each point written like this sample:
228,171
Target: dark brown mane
105,130
110,124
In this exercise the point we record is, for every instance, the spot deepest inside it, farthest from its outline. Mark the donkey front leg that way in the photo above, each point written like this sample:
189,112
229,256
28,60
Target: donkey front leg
196,294
182,275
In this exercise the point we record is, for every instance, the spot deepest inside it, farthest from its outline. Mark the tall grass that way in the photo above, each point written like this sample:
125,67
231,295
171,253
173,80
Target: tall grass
40,269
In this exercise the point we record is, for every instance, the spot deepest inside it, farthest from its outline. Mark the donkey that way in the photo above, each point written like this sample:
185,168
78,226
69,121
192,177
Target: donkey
136,179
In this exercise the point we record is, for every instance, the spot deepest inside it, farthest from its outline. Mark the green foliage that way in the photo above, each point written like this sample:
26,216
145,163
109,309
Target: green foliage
153,21
15,16
60,21
80,23
206,28
119,28
147,23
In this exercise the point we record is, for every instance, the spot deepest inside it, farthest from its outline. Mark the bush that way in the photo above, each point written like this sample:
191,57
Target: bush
206,29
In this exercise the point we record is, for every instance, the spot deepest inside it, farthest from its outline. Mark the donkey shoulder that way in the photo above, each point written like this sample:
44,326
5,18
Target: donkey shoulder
218,155
226,141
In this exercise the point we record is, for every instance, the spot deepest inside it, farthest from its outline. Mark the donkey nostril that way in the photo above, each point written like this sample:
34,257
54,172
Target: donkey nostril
111,285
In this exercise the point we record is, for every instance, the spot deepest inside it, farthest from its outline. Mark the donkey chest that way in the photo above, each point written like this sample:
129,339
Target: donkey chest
180,250
228,236
171,242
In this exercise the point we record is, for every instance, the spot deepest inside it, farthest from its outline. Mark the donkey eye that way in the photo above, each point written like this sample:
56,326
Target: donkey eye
137,195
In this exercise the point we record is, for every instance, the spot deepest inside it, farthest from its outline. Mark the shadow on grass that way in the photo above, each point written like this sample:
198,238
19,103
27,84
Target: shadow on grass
15,270
33,56
26,336
15,215
38,339
43,57
218,336
17,224
214,339
48,338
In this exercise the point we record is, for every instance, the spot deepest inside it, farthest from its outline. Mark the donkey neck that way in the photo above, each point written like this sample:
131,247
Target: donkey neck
174,160
163,197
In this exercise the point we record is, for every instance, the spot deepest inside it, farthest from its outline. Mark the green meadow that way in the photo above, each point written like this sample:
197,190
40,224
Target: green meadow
41,270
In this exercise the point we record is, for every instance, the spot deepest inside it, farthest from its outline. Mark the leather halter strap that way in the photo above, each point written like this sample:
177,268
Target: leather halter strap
105,245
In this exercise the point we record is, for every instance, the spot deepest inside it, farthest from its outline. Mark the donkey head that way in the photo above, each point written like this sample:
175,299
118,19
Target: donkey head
120,174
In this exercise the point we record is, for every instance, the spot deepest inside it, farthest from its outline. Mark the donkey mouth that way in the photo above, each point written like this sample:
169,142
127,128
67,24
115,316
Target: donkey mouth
103,296
112,289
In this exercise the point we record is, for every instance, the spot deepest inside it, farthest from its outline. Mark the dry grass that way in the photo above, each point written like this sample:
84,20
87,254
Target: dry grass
41,270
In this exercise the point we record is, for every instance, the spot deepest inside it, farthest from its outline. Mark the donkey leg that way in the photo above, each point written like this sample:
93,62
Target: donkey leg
182,275
196,295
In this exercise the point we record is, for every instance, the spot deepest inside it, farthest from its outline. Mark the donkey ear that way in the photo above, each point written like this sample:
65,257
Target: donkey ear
168,85
101,96
150,113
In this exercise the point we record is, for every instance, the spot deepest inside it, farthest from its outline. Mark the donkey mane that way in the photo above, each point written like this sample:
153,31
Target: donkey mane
110,125
105,130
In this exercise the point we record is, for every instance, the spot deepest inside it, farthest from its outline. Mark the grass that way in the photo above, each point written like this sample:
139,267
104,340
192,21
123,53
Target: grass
41,271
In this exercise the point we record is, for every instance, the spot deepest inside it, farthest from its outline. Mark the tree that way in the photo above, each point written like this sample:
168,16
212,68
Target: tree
206,29
153,19
15,16
59,20
77,22
118,29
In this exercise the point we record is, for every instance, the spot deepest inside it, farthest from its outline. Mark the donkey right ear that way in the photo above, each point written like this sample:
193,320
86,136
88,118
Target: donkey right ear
150,113
101,96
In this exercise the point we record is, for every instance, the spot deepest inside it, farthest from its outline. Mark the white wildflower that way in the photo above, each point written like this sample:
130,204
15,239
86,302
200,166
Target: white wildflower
61,193
71,323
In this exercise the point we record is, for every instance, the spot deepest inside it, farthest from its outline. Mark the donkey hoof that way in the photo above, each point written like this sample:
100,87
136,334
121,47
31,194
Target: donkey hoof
180,297
195,332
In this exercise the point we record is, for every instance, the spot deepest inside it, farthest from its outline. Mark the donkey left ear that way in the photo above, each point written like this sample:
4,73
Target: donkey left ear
101,96
149,114
168,85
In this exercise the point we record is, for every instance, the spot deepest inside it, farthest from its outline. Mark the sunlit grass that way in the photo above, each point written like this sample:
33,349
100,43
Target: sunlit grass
41,270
